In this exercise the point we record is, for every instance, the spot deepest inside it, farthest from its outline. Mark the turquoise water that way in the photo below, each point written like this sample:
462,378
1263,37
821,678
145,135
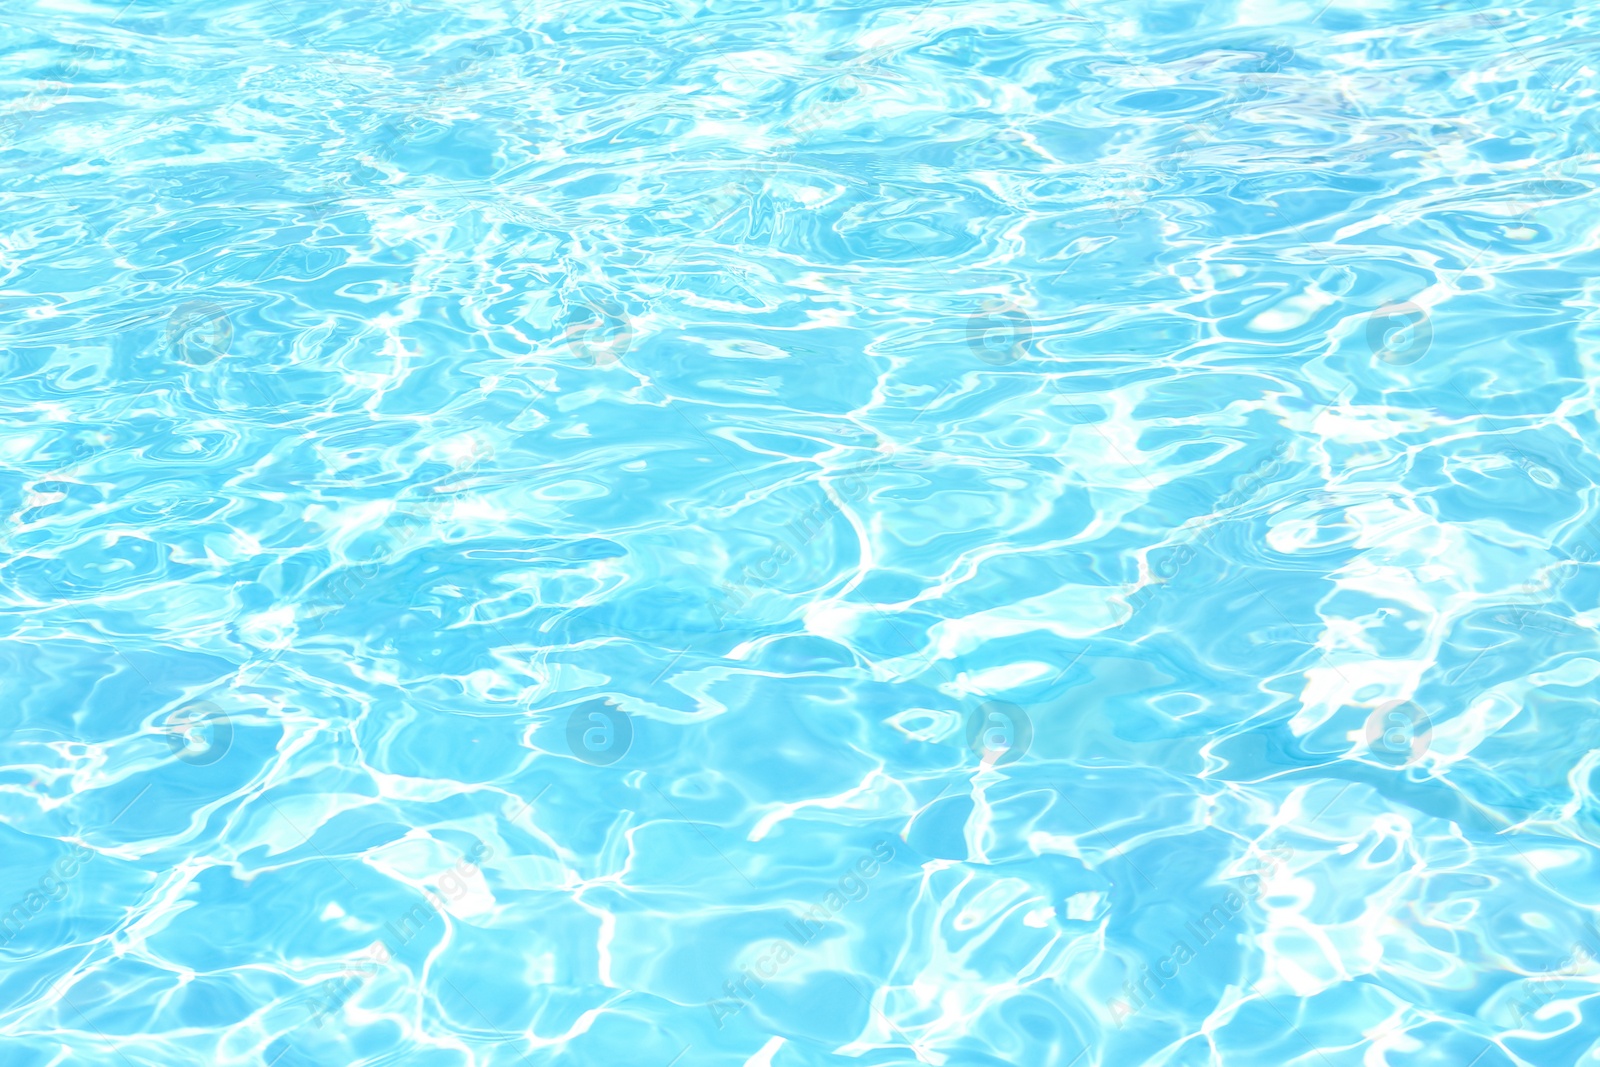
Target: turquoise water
773,533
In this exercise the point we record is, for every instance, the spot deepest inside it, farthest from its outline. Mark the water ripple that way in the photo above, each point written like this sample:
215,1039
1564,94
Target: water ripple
766,532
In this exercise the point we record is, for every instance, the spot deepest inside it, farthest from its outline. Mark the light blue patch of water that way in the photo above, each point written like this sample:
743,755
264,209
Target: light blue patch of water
773,532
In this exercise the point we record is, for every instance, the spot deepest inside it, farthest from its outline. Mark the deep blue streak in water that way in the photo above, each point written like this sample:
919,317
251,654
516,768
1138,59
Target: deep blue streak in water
794,532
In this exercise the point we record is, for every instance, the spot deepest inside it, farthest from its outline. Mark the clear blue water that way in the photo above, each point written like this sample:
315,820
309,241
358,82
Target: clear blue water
773,533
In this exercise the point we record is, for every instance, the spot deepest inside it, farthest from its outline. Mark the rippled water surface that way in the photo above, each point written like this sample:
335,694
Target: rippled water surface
785,532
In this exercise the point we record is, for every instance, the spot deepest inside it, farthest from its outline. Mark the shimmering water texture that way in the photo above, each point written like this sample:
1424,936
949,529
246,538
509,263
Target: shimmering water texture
772,533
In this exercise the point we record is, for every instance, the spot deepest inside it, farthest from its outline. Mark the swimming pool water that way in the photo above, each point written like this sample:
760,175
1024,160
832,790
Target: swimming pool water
792,532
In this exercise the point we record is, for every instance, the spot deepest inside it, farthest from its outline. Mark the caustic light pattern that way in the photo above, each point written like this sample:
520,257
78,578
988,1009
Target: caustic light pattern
771,533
